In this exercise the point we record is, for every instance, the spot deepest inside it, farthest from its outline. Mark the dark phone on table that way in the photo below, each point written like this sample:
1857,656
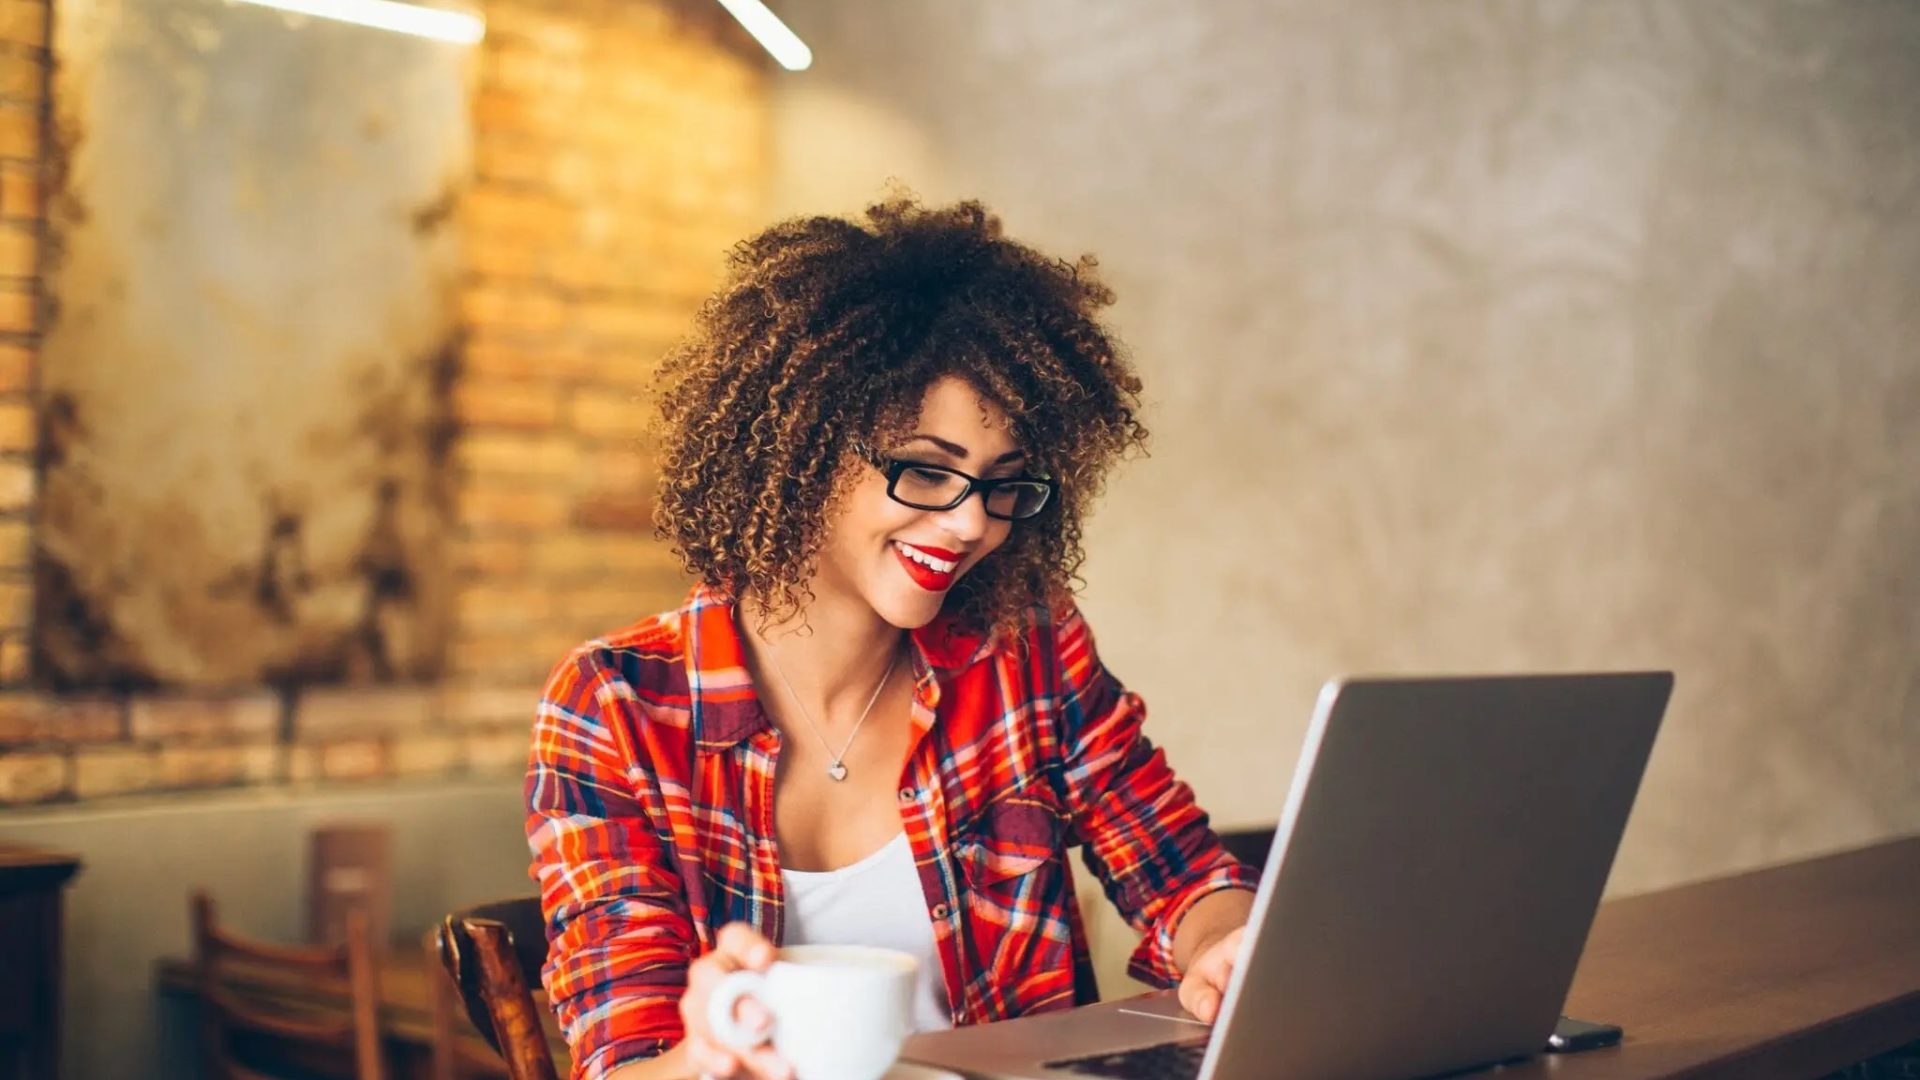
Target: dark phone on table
1570,1035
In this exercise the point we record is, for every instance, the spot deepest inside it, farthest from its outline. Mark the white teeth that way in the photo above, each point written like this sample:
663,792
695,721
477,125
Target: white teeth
925,559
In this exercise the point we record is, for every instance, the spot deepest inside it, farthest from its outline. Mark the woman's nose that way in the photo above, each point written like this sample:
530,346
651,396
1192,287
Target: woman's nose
967,522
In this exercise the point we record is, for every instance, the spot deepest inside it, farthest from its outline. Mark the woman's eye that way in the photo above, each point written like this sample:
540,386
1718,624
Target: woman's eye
927,476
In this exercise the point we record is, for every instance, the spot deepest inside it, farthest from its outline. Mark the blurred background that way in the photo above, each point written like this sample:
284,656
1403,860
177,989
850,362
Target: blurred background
1477,336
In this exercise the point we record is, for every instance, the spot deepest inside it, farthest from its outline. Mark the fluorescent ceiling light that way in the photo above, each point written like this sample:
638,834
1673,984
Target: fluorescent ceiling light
769,31
415,19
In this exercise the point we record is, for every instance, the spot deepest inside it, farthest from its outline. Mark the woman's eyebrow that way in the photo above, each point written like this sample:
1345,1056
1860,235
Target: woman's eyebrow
960,452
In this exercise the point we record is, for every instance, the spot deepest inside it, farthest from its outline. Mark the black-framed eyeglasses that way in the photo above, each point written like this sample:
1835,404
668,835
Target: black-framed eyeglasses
936,487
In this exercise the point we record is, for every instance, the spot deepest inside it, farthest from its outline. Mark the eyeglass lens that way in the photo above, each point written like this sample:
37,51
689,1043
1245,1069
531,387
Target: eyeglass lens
938,489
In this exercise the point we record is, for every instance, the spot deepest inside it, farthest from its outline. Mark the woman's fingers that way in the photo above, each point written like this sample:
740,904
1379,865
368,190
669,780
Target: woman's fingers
710,1060
1199,998
738,947
767,1064
761,1062
745,946
1206,982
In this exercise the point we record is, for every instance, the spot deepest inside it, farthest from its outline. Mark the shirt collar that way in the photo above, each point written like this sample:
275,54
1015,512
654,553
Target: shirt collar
724,709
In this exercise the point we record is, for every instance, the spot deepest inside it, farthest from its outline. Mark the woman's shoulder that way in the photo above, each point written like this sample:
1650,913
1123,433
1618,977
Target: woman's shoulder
646,657
614,708
1053,624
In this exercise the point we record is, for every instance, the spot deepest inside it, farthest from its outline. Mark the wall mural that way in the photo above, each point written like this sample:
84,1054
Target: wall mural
245,376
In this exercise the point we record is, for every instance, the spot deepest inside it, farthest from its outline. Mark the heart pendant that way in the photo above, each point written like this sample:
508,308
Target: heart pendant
837,771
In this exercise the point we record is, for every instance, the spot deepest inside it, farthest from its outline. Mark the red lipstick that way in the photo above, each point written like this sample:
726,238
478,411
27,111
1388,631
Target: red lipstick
926,576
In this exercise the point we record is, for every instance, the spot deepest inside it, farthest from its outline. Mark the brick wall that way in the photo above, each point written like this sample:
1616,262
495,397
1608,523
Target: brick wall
23,110
620,147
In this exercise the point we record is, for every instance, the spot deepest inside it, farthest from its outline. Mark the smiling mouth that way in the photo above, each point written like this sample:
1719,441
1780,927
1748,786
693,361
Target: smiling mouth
927,570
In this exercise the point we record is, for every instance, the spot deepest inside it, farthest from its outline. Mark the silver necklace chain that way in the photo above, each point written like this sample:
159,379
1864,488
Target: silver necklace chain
837,769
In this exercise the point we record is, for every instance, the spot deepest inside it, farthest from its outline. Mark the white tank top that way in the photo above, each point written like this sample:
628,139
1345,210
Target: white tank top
876,901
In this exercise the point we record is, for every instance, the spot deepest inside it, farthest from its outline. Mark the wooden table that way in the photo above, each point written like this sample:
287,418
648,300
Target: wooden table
1787,973
30,884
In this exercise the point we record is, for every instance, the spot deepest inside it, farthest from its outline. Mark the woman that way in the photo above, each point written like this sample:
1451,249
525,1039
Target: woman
878,718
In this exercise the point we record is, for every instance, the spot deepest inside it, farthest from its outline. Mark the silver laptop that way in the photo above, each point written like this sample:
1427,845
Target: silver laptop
1436,868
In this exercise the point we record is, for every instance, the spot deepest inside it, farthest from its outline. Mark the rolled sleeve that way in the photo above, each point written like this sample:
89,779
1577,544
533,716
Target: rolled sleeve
1146,839
619,936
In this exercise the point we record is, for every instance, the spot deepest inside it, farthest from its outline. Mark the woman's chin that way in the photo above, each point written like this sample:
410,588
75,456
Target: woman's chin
908,609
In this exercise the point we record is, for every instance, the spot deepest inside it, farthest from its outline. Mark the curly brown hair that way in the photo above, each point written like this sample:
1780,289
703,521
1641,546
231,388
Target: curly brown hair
823,340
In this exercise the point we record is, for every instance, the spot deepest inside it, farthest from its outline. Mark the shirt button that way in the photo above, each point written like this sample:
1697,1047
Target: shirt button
940,911
907,794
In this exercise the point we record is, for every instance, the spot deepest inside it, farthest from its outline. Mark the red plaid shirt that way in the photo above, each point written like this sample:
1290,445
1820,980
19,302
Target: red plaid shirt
650,816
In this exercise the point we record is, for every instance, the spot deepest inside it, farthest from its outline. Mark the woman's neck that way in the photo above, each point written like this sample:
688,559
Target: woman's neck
833,665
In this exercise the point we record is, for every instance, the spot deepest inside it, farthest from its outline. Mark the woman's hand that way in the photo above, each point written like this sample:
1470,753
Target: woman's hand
739,946
1205,982
1204,947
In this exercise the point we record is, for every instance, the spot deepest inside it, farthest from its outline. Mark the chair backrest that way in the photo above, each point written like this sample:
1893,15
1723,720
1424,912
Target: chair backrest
349,868
459,1053
493,953
1250,846
221,958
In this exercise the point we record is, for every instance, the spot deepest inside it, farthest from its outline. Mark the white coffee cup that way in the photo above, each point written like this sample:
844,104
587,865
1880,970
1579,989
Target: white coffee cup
840,1012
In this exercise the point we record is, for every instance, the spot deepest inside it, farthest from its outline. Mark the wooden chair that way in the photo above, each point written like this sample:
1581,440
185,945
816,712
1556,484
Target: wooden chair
457,1053
220,955
493,953
349,868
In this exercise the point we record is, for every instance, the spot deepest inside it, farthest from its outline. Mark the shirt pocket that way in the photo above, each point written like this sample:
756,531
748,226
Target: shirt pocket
1018,935
1015,835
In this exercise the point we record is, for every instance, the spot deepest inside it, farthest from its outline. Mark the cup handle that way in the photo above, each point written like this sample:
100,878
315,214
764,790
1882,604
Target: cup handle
720,1006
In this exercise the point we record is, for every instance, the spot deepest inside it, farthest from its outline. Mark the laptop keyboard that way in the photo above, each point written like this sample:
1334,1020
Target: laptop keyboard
1164,1061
